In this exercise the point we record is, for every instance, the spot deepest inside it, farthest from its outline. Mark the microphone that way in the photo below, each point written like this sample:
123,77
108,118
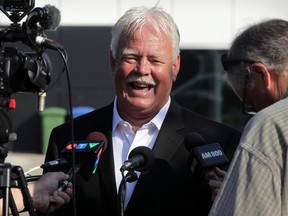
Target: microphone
140,158
60,162
98,140
203,156
98,136
87,155
48,17
52,19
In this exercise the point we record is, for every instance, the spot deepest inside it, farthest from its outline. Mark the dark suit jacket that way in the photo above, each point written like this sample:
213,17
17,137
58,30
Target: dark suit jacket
168,188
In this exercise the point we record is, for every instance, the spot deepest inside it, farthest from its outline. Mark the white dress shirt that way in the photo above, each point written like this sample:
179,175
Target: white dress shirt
124,140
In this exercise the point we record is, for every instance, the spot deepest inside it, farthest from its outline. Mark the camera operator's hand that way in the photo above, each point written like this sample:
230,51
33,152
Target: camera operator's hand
45,191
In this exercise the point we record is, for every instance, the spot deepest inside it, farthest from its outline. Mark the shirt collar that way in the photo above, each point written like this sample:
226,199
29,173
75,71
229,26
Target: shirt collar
157,120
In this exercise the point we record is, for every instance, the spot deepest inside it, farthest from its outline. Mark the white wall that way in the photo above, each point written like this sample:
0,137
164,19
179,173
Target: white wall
205,24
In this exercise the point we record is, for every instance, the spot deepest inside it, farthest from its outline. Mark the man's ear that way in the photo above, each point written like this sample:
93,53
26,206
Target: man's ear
260,72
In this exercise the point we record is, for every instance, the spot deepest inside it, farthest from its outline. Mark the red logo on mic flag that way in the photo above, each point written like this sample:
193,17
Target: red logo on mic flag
69,146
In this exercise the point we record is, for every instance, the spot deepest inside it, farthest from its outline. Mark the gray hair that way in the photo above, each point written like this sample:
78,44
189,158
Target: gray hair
265,42
135,18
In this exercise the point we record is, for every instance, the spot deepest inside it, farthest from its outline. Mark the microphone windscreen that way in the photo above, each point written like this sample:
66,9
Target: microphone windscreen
146,153
98,136
53,18
192,140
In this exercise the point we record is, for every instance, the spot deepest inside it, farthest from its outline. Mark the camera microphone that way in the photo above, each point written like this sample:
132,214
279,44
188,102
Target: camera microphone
51,19
48,17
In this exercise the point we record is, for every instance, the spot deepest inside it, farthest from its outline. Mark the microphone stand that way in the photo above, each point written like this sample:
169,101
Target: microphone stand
131,176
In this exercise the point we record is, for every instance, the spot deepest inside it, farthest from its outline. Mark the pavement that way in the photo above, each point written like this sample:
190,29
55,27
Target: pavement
29,162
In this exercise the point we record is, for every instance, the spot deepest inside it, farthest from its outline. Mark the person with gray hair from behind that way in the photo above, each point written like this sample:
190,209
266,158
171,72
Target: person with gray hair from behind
257,69
144,61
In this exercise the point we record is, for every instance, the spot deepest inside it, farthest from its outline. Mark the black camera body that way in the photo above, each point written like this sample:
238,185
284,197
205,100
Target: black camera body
25,71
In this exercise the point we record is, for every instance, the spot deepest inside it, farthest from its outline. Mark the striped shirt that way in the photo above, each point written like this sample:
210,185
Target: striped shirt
256,183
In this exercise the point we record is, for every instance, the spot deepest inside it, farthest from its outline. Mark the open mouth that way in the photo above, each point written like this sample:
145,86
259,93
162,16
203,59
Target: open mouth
140,86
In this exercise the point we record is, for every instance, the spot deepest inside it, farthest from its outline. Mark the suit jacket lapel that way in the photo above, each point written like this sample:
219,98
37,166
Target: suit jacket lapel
166,144
169,138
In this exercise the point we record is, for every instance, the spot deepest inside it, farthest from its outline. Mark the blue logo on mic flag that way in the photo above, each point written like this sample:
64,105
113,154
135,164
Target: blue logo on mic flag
81,145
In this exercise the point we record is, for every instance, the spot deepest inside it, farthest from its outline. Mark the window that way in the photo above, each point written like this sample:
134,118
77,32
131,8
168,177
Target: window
201,86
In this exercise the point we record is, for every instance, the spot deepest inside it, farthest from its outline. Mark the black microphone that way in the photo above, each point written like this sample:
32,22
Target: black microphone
58,163
52,19
203,156
140,158
48,17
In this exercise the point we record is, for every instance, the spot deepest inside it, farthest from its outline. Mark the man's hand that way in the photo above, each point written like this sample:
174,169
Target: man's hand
214,184
45,192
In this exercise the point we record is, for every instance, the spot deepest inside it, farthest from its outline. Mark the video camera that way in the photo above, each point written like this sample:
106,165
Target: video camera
26,71
22,72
